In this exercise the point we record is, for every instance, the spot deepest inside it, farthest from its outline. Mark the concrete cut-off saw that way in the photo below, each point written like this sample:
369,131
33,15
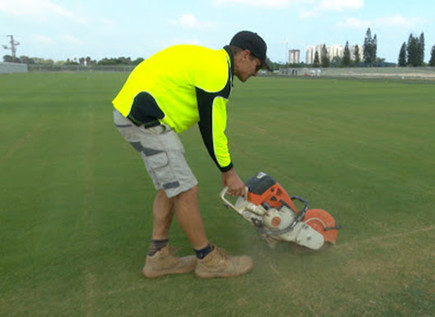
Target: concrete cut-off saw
274,214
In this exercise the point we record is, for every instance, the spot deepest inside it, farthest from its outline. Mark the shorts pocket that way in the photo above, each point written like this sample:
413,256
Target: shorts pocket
158,160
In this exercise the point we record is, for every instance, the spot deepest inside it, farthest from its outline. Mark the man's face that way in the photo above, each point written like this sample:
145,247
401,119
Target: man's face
247,65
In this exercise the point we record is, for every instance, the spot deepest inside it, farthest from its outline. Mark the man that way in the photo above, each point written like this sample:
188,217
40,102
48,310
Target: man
164,95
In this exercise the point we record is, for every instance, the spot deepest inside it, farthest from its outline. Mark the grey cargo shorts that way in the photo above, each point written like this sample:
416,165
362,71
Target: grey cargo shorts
162,152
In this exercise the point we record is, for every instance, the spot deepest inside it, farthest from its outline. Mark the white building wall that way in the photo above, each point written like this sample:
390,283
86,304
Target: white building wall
294,56
333,51
309,54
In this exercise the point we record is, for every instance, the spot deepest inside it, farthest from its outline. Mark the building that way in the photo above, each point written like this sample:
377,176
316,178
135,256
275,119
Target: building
294,57
311,53
336,50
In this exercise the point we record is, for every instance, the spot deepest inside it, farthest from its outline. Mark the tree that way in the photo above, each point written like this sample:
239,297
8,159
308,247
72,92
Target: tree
325,57
375,47
140,59
415,50
43,61
71,62
8,59
370,47
337,61
357,55
26,60
89,61
412,51
346,61
432,57
366,47
316,60
421,50
115,61
402,55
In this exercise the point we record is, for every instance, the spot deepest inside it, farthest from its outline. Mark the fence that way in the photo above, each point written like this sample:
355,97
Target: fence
80,68
7,68
426,73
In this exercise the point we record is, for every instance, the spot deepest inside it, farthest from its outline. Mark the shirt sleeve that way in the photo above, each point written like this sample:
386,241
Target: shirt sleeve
212,124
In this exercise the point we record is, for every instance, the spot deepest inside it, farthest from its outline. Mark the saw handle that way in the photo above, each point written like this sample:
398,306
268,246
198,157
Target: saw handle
301,213
229,203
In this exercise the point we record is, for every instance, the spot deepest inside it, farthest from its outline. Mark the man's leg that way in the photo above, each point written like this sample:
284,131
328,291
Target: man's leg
163,213
189,218
212,261
160,260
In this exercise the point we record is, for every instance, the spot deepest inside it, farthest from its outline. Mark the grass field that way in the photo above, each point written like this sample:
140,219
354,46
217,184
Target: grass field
75,201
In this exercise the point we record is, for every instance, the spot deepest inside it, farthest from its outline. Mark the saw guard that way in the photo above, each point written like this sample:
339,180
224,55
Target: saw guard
322,221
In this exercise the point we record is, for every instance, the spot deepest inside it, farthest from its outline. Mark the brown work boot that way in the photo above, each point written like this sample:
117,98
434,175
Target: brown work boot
219,264
164,262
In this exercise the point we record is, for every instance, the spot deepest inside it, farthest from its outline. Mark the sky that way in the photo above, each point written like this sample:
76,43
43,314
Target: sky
61,29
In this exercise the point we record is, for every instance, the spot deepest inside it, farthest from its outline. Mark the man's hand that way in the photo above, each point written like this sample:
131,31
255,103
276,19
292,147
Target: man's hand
236,187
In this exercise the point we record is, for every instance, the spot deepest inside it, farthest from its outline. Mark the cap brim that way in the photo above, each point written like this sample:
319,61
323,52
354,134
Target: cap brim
266,66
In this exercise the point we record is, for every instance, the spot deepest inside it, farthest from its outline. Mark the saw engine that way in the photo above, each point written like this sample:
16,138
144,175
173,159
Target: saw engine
274,214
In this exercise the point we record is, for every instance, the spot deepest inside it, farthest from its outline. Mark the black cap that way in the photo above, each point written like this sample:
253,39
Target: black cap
251,41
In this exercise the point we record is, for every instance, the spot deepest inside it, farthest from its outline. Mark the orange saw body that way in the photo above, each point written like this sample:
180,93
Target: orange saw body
274,214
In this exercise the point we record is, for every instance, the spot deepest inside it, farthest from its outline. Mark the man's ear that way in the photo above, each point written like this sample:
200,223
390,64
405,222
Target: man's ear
246,53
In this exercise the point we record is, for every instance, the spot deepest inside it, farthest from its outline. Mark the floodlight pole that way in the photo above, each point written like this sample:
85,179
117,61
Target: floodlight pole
13,46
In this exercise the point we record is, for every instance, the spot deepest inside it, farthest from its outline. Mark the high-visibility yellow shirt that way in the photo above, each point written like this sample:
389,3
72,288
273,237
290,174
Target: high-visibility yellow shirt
180,86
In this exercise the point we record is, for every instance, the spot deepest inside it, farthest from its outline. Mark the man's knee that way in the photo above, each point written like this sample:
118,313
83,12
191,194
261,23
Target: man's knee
190,191
188,194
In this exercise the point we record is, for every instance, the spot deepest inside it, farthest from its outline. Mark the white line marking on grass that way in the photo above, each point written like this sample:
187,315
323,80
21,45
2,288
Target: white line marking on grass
90,293
16,146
